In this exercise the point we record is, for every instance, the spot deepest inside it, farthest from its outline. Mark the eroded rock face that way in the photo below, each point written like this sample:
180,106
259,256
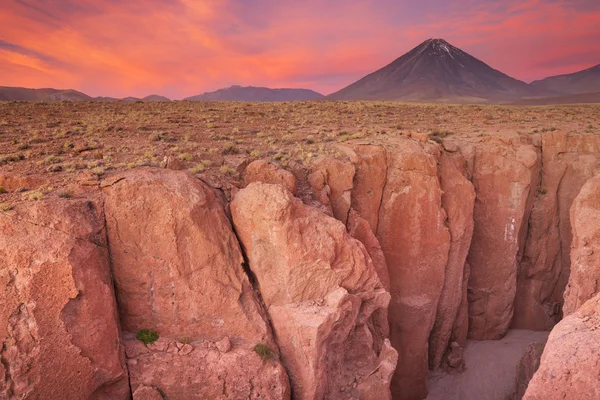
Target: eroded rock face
321,289
415,241
201,370
568,161
505,176
178,271
569,367
584,280
58,321
264,171
457,200
332,182
176,262
527,367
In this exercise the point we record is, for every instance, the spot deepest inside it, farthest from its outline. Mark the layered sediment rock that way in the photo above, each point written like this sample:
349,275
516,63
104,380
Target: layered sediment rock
321,290
178,271
58,320
569,368
568,161
584,280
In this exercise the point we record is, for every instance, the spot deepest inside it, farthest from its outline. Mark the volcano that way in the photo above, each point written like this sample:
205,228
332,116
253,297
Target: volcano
437,71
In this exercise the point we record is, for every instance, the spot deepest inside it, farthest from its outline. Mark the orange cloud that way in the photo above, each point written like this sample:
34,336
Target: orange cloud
184,47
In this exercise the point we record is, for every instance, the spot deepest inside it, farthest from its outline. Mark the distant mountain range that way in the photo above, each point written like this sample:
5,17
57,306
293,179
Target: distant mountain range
251,93
24,94
585,81
434,71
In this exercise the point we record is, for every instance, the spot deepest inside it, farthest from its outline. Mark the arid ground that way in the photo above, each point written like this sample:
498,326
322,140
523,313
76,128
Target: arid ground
212,139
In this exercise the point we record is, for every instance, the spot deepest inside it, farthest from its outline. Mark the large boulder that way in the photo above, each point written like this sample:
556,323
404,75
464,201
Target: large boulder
505,175
568,161
584,280
570,368
321,290
58,321
178,271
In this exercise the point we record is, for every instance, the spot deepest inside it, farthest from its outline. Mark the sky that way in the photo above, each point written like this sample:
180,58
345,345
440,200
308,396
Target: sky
180,48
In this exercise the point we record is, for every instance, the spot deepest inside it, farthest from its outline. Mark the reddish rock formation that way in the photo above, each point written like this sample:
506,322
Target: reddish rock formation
527,367
584,280
176,262
568,161
505,176
147,393
12,182
458,199
569,368
264,171
370,179
321,289
415,242
200,370
178,271
332,182
58,321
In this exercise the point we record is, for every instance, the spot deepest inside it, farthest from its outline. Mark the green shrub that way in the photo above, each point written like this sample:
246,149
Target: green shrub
147,336
263,351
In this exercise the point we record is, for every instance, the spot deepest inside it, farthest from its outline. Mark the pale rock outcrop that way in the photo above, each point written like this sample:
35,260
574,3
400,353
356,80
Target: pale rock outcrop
58,322
320,288
568,161
264,171
505,175
458,199
178,270
570,365
584,280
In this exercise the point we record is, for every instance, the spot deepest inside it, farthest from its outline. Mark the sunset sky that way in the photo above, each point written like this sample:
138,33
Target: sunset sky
180,48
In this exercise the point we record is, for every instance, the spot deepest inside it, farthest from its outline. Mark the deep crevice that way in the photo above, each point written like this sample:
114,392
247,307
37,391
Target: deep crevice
115,296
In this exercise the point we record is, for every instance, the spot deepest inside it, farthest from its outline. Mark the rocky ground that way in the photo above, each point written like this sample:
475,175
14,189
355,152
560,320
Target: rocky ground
316,250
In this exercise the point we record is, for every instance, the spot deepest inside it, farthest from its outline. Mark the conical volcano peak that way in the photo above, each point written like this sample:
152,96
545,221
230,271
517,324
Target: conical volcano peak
435,70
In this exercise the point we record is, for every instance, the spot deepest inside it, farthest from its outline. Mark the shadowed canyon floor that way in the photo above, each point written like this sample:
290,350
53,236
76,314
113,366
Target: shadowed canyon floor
311,250
491,369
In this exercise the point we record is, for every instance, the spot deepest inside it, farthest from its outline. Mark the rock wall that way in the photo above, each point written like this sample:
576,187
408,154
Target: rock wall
569,367
393,252
321,289
504,174
58,319
584,279
568,161
178,271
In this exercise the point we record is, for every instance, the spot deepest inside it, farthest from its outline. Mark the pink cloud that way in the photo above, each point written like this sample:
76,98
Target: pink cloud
180,48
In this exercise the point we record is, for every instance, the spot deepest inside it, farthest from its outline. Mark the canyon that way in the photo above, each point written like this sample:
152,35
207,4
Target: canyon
355,275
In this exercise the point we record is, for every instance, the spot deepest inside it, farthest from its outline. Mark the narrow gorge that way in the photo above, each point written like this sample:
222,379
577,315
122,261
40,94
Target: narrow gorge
381,272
